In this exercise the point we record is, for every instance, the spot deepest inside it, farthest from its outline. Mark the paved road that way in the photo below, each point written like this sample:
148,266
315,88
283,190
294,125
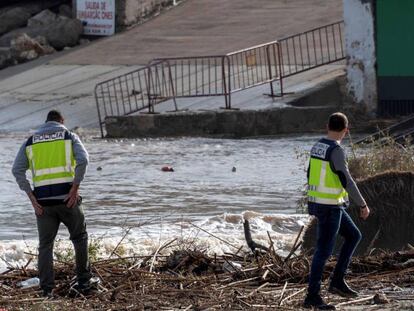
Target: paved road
205,27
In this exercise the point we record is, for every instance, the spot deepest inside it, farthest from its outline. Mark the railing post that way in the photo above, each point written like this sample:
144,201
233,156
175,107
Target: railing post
172,85
229,83
279,60
150,109
269,66
223,77
99,112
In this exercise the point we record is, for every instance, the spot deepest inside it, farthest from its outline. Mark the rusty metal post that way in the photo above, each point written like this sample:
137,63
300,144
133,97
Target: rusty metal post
269,66
99,111
150,109
172,85
223,77
279,60
229,84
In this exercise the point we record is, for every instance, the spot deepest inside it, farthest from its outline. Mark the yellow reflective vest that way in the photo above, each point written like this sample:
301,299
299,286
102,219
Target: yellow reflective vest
324,185
52,163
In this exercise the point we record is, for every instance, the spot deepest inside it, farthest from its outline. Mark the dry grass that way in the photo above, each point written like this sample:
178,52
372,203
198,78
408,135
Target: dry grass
381,156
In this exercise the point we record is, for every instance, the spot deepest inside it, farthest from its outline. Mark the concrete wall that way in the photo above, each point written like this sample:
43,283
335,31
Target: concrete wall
308,113
360,49
129,12
230,124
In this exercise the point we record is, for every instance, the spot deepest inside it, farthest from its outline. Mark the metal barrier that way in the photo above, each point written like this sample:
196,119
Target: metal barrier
199,76
311,49
219,75
255,66
134,91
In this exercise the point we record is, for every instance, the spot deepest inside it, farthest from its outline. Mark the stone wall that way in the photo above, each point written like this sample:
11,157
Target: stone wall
360,50
229,124
306,113
129,12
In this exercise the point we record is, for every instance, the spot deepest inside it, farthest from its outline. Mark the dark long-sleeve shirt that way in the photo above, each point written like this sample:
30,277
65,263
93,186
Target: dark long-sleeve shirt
340,166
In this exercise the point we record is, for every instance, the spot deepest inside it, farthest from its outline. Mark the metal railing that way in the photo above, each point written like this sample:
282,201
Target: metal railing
219,75
311,49
198,76
134,91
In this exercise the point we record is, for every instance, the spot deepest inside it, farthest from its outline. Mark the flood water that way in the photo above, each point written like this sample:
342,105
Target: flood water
129,190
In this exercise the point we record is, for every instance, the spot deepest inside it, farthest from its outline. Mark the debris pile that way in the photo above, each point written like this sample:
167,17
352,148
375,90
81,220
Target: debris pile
189,279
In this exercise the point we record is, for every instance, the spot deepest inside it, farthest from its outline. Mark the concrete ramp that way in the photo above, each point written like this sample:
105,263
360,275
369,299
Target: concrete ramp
208,27
66,80
26,98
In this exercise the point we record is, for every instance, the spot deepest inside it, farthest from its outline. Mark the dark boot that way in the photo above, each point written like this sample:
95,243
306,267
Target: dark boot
340,288
47,294
316,301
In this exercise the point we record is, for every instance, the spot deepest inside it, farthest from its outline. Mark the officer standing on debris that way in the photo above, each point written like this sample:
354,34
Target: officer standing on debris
58,161
329,183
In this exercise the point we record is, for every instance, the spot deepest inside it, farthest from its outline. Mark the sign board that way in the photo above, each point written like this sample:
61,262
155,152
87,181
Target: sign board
97,16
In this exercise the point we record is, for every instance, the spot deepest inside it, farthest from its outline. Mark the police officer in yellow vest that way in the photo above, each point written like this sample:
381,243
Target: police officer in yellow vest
58,161
329,183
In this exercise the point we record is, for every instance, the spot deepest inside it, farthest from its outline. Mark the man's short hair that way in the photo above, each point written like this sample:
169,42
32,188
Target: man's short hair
337,122
54,115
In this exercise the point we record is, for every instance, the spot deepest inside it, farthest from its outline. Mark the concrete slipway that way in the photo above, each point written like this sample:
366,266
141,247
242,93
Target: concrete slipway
66,80
26,97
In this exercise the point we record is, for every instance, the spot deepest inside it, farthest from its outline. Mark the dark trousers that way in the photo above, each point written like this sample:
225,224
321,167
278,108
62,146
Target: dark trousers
48,225
331,221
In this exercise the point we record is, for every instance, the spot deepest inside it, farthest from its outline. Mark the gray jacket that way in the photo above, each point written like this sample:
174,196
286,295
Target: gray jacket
21,163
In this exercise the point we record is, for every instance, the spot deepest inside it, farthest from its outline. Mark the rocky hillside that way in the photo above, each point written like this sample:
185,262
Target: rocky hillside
29,29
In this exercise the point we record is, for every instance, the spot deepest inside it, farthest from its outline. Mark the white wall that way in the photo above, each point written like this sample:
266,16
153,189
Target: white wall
130,12
360,49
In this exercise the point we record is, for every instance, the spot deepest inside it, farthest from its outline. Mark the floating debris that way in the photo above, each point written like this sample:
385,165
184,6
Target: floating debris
167,169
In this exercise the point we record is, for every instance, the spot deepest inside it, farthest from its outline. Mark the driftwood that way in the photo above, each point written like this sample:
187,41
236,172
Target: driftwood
248,236
186,278
191,280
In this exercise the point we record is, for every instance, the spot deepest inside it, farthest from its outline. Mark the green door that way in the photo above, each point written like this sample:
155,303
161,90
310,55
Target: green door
395,56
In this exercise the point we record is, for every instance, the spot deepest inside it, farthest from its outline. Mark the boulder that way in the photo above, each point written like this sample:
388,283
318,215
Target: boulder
34,7
65,32
12,19
60,34
44,18
23,48
6,58
65,10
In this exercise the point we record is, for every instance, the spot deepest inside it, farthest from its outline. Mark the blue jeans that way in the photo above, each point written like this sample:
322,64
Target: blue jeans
331,221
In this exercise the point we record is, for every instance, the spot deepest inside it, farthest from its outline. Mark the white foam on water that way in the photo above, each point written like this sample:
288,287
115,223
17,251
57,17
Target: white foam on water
218,235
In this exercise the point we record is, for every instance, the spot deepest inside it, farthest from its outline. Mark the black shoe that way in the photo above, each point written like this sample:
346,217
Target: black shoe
342,289
316,301
87,288
47,294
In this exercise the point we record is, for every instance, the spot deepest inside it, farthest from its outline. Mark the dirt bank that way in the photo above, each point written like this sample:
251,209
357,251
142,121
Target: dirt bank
390,197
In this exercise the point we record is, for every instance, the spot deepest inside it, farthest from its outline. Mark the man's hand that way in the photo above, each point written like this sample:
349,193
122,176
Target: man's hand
37,207
364,213
73,196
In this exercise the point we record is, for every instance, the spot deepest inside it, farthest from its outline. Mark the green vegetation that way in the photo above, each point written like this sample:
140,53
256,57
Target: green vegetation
64,252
